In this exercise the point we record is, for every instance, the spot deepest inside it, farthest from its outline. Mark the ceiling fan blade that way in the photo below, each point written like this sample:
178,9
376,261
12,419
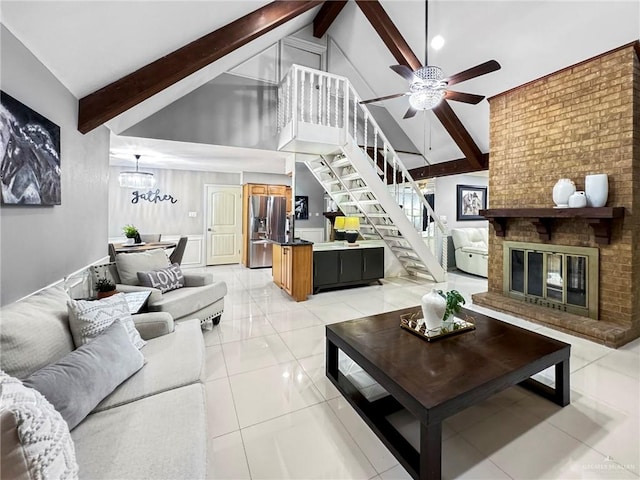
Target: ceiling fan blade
410,113
404,71
478,70
464,97
379,99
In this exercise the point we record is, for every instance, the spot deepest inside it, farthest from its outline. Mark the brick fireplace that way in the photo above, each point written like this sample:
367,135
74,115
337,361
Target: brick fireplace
581,120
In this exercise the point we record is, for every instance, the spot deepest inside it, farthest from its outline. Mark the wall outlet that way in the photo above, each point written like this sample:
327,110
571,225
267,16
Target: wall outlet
193,214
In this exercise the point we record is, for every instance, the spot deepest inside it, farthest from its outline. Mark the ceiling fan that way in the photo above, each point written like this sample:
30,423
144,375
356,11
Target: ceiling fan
428,85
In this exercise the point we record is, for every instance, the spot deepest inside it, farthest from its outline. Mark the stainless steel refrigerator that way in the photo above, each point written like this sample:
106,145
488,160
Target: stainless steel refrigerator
267,220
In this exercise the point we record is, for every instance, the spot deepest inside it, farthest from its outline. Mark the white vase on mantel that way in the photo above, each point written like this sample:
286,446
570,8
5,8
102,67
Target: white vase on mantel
433,307
578,200
596,188
562,190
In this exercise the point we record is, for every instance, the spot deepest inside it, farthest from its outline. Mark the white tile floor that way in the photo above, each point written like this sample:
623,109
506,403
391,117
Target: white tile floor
274,415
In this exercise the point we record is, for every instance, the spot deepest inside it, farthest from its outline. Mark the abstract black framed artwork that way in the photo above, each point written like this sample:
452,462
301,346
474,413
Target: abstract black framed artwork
30,153
301,211
471,199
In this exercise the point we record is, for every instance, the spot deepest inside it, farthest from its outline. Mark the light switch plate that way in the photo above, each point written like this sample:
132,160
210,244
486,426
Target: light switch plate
193,214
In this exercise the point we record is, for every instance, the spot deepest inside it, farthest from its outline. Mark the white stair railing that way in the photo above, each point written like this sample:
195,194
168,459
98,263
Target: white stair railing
311,96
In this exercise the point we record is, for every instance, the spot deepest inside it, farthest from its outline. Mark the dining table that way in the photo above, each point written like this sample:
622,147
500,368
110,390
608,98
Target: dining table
142,247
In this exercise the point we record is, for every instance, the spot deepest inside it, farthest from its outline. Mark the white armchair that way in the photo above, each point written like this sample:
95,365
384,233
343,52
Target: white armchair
472,250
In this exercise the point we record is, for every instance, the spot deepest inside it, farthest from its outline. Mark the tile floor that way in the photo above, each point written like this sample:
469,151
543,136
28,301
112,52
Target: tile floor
274,415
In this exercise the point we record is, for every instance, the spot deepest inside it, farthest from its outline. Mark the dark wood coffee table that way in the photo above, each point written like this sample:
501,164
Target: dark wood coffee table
434,380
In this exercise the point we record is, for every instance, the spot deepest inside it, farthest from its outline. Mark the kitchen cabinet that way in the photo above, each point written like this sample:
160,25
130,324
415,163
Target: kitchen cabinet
349,266
277,190
258,189
292,266
372,263
289,198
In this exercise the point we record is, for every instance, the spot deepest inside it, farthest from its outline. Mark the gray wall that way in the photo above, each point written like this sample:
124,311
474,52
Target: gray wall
446,202
229,110
40,245
187,187
306,184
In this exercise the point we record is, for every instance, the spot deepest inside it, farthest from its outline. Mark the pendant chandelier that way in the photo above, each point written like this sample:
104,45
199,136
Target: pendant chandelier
136,179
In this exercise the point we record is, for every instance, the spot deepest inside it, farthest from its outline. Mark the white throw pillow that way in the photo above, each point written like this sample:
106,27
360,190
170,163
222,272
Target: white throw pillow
89,318
129,264
43,438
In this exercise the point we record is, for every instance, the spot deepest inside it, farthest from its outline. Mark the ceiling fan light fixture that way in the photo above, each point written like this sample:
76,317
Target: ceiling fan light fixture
136,179
431,76
426,99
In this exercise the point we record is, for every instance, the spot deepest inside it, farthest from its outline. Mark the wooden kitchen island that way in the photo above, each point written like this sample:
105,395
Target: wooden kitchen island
292,267
301,267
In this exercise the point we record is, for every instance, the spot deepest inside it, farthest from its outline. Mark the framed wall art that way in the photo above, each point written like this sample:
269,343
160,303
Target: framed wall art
30,153
471,199
302,207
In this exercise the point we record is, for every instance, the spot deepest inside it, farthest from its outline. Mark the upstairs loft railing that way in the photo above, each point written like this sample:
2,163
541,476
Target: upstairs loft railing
311,96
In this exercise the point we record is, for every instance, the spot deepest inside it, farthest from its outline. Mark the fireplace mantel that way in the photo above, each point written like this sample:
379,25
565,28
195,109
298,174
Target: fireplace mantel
599,219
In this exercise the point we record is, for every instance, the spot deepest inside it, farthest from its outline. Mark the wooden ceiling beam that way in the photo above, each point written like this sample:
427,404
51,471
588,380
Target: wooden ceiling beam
459,134
326,16
403,54
453,167
389,33
110,101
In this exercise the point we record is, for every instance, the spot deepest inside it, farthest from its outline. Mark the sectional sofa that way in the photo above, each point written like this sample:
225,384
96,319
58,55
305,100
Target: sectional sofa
151,426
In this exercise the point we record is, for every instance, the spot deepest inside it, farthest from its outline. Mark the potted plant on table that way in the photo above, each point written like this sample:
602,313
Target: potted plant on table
132,234
105,287
454,301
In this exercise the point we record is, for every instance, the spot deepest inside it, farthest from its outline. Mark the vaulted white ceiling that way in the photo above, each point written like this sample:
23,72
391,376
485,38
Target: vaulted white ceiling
89,44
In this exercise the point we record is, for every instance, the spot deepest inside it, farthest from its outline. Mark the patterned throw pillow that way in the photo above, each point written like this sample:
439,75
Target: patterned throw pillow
43,440
89,318
165,279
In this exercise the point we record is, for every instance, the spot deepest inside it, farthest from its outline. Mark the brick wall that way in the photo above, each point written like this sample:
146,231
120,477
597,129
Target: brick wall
569,124
636,192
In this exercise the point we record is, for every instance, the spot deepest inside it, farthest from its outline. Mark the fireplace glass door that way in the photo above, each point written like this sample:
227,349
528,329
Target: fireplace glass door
555,277
559,279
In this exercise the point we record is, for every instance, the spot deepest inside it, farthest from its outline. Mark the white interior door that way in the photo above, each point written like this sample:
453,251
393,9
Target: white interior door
224,224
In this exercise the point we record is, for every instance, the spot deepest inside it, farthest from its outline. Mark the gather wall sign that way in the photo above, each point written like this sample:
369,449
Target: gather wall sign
152,196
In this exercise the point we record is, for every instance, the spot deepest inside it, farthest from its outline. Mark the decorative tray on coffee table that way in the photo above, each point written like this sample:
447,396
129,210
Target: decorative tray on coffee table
411,323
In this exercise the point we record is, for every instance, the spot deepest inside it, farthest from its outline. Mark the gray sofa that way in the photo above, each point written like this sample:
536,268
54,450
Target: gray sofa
201,298
154,424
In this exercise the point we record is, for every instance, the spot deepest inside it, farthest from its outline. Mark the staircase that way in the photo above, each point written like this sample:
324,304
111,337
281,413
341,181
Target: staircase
320,119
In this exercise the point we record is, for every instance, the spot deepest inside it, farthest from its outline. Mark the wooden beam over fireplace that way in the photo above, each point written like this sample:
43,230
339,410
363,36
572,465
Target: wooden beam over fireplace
452,167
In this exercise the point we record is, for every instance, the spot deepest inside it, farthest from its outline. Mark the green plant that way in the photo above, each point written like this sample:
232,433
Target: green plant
130,231
105,285
454,300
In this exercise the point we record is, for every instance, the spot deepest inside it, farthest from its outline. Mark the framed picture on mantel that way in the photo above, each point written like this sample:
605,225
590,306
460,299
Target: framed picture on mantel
471,199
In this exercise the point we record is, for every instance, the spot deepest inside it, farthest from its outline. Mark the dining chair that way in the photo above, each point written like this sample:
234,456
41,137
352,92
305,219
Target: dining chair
178,252
150,237
112,253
